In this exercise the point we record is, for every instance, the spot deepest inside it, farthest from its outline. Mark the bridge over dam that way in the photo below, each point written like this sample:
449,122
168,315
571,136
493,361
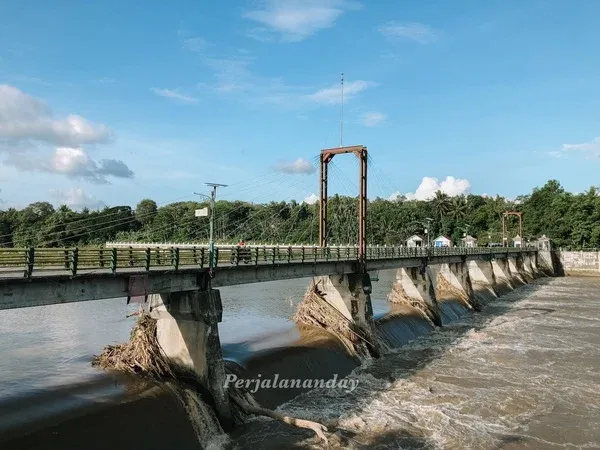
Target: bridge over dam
45,276
181,290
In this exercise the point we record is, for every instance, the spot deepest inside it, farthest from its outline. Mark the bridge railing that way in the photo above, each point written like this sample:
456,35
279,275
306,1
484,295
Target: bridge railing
73,261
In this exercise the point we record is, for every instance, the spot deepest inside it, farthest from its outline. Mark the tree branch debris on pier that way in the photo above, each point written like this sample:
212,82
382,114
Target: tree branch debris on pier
315,311
142,356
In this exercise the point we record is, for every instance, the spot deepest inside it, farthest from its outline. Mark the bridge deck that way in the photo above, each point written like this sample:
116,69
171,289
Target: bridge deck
30,277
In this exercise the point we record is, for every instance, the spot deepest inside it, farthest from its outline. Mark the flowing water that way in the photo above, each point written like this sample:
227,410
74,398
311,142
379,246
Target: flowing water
523,373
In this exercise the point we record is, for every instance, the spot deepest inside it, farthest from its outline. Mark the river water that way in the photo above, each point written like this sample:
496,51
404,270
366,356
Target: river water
523,373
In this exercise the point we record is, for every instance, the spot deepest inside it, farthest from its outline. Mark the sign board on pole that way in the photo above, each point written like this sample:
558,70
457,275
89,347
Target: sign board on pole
201,212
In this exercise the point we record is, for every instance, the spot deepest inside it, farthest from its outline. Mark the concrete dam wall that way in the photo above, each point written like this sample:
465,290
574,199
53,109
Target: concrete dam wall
586,262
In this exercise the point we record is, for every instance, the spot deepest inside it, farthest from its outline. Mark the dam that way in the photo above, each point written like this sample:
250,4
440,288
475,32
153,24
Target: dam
270,344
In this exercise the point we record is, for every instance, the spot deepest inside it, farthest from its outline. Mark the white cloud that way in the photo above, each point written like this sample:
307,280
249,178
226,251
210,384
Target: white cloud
311,199
418,32
25,118
333,94
430,185
174,95
76,199
296,20
301,165
28,129
73,162
372,118
591,148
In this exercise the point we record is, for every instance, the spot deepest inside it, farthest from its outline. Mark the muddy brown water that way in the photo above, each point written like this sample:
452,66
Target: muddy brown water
523,373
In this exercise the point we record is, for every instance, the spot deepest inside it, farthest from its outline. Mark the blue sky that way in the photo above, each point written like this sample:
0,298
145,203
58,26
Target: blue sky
112,102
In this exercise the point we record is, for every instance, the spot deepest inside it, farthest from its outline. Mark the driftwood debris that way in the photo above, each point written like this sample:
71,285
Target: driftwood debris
142,355
315,311
260,411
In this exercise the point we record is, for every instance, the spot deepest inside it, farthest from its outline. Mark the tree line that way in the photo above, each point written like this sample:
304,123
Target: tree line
570,220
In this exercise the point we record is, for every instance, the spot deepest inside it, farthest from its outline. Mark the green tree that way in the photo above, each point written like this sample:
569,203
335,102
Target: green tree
145,211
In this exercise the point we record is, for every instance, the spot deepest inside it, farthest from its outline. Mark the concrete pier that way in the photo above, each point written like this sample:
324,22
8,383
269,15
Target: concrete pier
524,267
502,276
517,276
350,295
187,331
483,280
457,277
416,286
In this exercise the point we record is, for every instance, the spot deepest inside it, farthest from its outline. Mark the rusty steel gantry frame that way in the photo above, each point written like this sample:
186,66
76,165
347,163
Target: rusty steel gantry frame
362,155
504,216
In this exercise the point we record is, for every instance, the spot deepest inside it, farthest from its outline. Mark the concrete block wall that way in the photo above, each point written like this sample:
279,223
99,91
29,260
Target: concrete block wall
580,262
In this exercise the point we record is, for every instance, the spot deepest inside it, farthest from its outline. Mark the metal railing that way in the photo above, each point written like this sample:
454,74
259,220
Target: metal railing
73,261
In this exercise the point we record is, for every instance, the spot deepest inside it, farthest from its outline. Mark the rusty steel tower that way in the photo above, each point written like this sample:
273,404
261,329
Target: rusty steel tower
326,157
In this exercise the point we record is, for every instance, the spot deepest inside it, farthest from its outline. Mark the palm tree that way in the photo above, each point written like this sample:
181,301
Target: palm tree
458,207
441,204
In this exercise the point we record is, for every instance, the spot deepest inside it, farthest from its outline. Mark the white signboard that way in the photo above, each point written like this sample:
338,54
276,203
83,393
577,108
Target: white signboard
201,212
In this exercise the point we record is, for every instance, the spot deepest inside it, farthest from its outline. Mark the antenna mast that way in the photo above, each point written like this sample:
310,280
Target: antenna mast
342,113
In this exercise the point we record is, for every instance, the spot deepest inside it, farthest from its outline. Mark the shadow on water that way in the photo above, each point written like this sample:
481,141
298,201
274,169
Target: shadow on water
156,422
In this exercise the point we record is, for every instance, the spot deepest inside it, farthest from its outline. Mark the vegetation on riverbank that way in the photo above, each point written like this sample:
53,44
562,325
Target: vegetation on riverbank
570,220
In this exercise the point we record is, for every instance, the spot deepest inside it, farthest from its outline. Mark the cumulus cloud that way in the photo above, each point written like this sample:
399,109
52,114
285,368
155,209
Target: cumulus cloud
311,199
28,129
296,20
76,199
301,165
372,118
25,118
430,185
172,94
417,32
72,162
76,163
333,94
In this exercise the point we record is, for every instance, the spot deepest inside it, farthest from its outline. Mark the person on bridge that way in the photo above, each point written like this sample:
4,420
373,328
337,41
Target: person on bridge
241,243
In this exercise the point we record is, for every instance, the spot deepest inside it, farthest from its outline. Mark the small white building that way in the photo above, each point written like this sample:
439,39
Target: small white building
442,241
469,241
543,243
517,241
414,241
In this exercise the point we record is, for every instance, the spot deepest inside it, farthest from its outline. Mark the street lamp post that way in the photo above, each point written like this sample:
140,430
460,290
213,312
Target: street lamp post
211,249
428,230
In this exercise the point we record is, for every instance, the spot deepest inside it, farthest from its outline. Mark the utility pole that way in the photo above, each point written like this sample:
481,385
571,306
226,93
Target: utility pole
211,213
342,113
